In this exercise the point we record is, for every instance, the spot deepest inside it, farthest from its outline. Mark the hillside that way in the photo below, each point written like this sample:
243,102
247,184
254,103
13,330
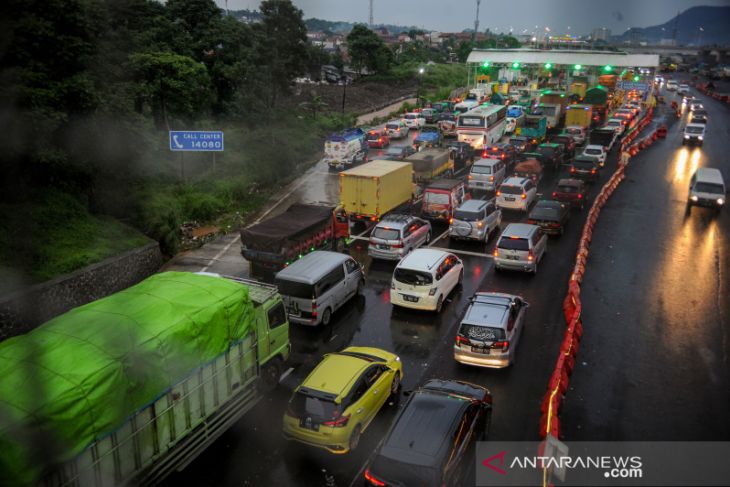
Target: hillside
713,20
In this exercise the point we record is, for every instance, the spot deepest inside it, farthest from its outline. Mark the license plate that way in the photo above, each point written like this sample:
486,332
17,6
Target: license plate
309,424
384,247
507,198
293,311
513,257
482,350
410,299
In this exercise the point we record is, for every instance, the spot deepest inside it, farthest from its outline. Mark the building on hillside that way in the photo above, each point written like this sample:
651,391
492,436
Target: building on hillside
601,34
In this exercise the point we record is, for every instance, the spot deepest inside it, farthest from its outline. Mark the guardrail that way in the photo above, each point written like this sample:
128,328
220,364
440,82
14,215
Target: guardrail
572,306
702,88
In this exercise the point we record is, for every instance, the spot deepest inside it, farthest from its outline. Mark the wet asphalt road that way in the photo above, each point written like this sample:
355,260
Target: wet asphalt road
253,452
653,363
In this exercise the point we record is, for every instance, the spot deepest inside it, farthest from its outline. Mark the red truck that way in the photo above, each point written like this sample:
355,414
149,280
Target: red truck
276,242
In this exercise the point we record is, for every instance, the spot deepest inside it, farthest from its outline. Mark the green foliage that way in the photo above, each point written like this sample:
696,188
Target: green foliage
172,85
55,234
367,50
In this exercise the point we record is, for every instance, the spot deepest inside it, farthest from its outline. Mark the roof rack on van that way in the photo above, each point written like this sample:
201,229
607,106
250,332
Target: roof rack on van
259,292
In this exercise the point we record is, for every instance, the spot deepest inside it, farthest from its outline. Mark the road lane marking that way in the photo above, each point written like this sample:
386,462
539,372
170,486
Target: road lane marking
433,241
465,252
286,374
219,254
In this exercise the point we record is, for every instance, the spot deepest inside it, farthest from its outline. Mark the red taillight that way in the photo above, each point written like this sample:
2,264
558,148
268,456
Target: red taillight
372,242
554,194
523,196
504,345
460,340
397,246
580,196
340,422
491,178
484,154
373,479
499,192
503,156
530,257
572,169
470,177
451,220
593,171
496,252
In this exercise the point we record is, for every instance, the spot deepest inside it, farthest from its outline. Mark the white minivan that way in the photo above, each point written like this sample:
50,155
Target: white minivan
425,278
316,285
486,174
707,188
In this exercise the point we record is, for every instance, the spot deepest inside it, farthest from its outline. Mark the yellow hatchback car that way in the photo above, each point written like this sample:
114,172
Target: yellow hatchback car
342,395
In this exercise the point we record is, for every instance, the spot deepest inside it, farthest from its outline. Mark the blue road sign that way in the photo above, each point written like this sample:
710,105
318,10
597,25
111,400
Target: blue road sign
632,85
196,141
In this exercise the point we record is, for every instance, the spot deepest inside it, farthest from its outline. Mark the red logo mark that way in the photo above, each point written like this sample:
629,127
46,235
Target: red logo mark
500,456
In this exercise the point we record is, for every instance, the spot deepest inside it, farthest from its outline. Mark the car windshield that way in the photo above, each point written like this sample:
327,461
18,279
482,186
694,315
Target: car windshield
479,169
510,189
413,277
709,188
517,142
694,130
481,333
436,198
295,289
373,136
386,233
467,216
303,404
593,152
513,243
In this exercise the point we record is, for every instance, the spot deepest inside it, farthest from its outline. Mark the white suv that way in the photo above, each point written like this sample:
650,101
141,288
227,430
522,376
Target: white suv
425,278
414,121
597,152
516,194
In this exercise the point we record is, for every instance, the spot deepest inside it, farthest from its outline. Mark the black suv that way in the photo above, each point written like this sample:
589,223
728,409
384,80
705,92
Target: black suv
431,442
551,155
506,152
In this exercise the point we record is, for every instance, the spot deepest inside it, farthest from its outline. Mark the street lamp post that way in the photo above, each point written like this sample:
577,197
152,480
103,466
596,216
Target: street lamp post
418,91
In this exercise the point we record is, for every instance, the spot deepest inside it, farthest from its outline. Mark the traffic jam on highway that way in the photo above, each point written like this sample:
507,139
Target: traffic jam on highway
380,334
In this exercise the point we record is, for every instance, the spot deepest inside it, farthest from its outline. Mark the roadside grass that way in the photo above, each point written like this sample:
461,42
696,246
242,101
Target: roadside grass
55,234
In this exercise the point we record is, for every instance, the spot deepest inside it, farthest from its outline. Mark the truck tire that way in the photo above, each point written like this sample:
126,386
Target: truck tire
355,437
326,317
270,374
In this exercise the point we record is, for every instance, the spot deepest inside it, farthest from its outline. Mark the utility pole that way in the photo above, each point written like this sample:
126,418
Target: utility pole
227,14
371,14
476,24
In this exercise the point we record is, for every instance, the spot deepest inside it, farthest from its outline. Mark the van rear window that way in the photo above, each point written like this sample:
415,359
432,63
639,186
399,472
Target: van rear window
295,289
481,333
510,189
436,198
414,278
467,216
513,243
479,169
386,233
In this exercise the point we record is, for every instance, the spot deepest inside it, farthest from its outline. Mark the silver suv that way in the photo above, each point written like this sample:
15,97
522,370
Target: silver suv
520,247
475,220
490,330
396,235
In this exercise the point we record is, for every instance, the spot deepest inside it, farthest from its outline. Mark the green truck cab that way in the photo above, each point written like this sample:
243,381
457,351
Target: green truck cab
135,385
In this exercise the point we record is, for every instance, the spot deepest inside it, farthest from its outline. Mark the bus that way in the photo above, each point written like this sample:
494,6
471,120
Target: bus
481,126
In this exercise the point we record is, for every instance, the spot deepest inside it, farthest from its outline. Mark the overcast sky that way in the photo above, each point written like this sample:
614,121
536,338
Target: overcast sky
561,16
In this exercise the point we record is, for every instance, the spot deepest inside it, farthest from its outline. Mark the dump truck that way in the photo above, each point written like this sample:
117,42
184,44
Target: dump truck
429,164
579,116
272,244
126,389
534,127
597,97
370,191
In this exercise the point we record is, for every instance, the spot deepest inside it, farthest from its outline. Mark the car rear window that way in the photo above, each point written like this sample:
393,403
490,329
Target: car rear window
544,214
548,151
481,333
392,126
567,189
413,277
709,188
510,243
295,289
303,404
594,152
510,189
467,216
479,169
386,233
583,164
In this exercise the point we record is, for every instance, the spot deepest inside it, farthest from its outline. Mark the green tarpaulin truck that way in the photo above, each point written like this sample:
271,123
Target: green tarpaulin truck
126,389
